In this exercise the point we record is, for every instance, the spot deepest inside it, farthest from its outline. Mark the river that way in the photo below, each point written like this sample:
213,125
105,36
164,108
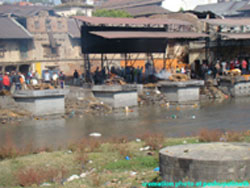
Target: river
229,115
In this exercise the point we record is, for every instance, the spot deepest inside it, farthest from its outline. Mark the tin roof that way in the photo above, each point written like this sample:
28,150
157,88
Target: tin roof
146,10
119,4
74,28
11,29
235,36
228,21
22,11
224,8
139,34
130,21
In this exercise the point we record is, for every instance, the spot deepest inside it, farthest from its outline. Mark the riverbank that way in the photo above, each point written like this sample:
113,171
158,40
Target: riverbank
95,162
80,101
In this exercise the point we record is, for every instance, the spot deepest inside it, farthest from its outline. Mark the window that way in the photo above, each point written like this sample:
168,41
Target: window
49,51
37,24
59,25
24,49
2,51
48,24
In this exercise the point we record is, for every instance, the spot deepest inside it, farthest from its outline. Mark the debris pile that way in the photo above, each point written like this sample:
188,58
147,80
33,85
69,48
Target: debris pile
115,80
4,93
7,115
150,97
178,77
41,86
80,106
98,107
212,92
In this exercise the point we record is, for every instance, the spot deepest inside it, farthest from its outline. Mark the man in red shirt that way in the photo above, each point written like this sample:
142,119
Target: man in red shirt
244,66
6,81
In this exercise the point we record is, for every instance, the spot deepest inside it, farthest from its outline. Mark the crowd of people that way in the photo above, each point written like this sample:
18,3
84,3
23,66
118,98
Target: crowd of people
132,74
18,81
221,68
15,80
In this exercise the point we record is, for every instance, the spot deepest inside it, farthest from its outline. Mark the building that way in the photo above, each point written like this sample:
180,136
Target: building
74,9
224,9
55,40
135,41
139,8
15,42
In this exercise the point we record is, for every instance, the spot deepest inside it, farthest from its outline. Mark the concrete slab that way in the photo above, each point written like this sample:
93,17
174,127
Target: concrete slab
42,102
181,92
117,95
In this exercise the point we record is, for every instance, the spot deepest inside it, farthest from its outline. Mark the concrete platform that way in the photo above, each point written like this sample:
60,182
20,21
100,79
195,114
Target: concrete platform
236,86
220,162
42,102
181,92
116,95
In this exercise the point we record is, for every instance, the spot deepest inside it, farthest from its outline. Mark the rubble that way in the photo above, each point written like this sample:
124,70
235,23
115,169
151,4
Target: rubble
212,92
178,77
41,86
81,106
115,80
150,97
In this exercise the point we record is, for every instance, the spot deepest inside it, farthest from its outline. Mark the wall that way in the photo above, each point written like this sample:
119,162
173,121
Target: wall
67,51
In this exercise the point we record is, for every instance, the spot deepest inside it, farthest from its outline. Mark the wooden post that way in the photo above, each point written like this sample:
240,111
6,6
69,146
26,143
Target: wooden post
164,61
102,61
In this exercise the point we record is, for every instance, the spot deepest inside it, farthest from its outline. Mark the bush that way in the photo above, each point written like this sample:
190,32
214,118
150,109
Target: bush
30,176
206,135
154,140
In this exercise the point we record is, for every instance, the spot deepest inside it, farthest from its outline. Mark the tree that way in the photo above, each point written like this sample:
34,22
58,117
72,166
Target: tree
111,13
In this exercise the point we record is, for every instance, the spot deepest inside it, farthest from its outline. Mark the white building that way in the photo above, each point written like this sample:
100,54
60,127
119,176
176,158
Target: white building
176,5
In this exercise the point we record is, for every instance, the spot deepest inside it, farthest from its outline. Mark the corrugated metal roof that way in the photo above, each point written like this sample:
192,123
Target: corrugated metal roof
223,9
118,4
130,21
229,22
22,11
245,7
11,29
139,34
235,36
74,28
146,10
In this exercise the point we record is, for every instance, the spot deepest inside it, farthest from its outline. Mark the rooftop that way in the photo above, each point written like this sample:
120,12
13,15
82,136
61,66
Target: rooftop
153,34
22,11
130,21
223,9
119,4
11,29
146,10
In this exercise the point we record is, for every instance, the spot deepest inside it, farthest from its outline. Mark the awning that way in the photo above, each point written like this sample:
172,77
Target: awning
139,34
228,21
235,36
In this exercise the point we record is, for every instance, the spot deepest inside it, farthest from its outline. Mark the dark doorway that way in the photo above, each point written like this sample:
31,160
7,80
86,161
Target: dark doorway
10,68
24,69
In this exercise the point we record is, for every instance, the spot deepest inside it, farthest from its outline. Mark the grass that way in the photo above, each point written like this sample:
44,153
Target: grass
103,162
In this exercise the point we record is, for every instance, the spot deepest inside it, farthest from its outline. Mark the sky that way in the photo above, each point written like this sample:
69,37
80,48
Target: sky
185,4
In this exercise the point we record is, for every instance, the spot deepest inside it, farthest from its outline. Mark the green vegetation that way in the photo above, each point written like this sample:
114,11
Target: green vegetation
111,13
103,163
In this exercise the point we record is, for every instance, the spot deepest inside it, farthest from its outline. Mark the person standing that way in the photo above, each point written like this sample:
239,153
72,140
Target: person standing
6,81
244,66
55,79
76,76
47,77
62,79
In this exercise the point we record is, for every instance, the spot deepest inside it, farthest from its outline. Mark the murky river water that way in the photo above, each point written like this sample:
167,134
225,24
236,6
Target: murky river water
229,115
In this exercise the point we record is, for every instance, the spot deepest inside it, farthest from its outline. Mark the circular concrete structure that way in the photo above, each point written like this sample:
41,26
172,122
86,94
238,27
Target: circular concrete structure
221,162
